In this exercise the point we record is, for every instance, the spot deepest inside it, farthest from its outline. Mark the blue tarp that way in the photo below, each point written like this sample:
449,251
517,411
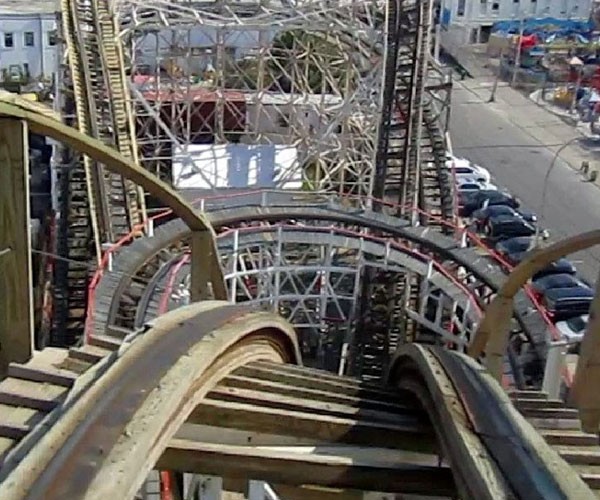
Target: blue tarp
545,27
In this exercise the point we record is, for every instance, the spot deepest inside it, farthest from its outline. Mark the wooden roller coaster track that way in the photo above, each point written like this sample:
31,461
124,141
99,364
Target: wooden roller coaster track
100,420
95,202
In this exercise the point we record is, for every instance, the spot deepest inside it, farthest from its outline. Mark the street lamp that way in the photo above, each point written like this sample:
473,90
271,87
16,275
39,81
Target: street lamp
536,242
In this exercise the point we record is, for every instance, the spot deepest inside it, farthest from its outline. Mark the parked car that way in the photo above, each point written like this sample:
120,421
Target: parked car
513,249
561,266
482,215
572,330
485,198
561,280
473,184
461,167
566,303
504,227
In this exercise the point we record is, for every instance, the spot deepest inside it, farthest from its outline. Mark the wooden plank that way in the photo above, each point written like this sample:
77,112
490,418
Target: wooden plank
355,469
322,374
221,435
311,382
50,375
21,416
267,400
16,296
413,437
307,393
308,492
38,396
568,437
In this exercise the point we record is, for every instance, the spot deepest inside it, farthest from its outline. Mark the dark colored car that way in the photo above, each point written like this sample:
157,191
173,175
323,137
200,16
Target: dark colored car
504,227
561,266
482,215
478,199
514,245
565,303
551,281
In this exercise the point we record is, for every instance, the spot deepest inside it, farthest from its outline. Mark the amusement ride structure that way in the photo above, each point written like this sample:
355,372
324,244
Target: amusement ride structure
324,326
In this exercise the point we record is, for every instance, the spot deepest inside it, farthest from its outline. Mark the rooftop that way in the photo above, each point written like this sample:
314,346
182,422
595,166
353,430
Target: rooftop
16,7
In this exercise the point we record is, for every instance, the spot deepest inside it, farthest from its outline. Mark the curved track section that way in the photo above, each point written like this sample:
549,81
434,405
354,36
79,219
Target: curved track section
311,276
219,365
119,291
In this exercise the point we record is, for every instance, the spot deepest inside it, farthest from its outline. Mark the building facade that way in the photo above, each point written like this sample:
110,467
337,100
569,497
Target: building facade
471,21
28,41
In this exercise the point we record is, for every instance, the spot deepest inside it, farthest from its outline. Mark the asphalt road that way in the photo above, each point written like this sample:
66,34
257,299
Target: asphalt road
497,136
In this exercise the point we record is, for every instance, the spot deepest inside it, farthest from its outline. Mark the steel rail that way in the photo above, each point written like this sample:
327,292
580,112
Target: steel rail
113,434
531,471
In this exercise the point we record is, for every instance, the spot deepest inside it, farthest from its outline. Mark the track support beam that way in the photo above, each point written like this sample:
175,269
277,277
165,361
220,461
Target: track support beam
16,298
584,392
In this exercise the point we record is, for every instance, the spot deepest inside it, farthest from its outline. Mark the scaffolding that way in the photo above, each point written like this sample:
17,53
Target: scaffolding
287,94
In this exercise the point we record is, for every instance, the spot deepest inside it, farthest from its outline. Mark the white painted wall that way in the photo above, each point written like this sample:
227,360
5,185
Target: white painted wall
207,166
41,57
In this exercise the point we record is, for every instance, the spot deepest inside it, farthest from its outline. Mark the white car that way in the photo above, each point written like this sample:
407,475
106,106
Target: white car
462,167
470,184
573,329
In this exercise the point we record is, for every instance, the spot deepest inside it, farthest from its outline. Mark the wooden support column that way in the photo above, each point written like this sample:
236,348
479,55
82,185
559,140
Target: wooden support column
584,392
16,297
205,268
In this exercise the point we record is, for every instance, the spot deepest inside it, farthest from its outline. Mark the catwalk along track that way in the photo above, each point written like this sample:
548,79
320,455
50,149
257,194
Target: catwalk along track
168,396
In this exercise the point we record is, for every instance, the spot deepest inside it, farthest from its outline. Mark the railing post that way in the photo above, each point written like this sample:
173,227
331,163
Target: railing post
256,490
16,297
150,228
555,363
207,280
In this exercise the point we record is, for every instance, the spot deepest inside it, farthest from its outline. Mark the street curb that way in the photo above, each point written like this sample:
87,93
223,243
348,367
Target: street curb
566,117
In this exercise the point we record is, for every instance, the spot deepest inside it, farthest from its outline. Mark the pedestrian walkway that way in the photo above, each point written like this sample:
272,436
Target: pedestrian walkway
558,132
571,118
545,127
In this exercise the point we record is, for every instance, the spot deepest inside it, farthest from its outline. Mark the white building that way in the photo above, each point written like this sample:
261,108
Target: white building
28,37
285,127
471,21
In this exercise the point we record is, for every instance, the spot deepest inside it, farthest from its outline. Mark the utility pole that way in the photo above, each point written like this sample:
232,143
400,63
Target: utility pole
518,54
497,78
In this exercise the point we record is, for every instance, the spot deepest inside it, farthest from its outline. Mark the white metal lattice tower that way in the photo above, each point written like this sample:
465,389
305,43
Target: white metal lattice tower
300,81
